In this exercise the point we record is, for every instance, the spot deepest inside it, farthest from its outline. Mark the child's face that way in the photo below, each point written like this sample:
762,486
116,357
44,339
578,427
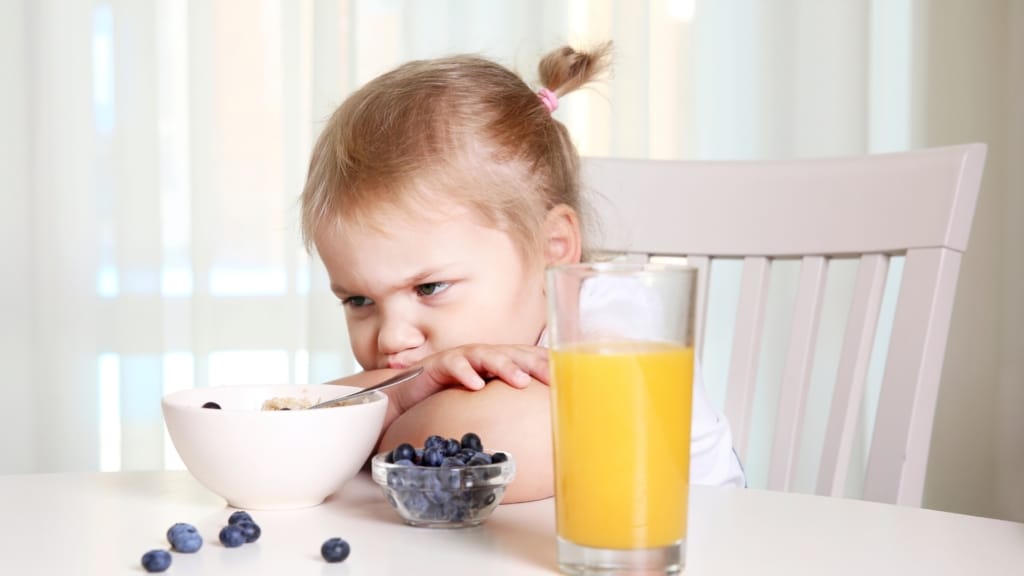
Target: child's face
431,283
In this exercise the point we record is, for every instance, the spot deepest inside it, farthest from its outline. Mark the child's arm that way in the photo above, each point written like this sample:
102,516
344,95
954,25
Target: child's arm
510,412
517,421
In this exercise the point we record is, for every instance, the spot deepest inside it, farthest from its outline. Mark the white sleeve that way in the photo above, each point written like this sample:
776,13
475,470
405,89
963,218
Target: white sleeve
713,462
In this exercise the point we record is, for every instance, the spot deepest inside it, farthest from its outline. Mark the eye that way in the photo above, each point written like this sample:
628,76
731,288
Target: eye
432,288
356,302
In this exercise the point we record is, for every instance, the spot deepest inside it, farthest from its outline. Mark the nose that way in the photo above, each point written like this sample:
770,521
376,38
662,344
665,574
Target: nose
398,333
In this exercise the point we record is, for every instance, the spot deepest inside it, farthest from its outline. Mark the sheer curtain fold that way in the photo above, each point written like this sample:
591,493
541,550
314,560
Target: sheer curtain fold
155,149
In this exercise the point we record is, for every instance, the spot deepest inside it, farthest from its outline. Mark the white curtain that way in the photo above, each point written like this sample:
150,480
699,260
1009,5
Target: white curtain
153,152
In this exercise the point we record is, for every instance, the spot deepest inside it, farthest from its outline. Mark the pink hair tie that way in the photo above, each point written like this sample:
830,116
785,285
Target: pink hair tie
549,98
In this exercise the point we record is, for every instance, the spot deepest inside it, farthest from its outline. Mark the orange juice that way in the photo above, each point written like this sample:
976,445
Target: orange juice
622,443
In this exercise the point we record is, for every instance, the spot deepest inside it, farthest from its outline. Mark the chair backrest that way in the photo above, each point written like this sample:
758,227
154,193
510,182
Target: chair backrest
916,206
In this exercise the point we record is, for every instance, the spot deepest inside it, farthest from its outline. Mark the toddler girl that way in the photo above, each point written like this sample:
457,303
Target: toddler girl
437,195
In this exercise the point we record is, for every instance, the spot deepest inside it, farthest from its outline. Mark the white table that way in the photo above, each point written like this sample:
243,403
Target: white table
102,523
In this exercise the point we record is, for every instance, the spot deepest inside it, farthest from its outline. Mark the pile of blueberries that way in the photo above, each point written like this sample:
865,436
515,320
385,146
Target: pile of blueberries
240,529
446,482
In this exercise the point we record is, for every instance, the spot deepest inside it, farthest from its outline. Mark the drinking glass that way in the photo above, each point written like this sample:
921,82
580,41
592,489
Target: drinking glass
621,347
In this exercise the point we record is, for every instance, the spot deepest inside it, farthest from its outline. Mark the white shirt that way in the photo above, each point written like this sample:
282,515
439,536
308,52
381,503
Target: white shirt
713,461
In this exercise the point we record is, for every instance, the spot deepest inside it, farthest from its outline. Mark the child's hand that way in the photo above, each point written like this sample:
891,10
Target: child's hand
471,366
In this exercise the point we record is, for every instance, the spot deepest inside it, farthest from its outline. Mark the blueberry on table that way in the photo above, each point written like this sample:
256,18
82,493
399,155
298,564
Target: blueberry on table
156,560
213,405
232,536
237,516
472,441
184,538
335,550
250,530
404,452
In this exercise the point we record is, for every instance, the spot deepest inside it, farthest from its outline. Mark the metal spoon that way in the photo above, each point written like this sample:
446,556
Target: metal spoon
393,381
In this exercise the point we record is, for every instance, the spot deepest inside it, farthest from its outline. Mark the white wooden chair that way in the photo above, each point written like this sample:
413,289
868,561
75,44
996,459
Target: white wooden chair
916,205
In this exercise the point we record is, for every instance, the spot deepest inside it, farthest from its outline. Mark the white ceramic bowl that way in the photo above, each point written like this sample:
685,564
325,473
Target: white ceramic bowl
265,460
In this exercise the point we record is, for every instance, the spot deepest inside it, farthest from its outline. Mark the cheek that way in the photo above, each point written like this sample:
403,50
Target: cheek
363,340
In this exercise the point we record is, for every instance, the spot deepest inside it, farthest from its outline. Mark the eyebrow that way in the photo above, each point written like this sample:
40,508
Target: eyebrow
413,280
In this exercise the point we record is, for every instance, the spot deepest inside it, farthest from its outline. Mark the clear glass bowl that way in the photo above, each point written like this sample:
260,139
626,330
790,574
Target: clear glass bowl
454,497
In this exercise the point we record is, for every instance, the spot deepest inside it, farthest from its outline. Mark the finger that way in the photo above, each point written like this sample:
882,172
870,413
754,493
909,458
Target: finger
510,366
460,370
534,361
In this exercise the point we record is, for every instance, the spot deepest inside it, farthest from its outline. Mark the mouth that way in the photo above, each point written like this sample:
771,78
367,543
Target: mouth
395,364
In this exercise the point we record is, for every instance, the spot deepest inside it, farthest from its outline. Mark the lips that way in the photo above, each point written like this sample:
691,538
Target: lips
399,363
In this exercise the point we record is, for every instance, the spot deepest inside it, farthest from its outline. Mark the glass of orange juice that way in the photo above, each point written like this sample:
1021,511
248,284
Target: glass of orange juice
621,341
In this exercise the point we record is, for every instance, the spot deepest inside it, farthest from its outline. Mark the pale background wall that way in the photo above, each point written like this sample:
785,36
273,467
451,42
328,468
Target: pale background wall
974,92
16,251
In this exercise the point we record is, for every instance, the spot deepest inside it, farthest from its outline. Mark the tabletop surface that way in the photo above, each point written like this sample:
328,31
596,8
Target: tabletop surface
102,523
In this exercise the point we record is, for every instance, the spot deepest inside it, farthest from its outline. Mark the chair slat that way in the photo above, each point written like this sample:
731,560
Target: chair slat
796,376
900,441
858,339
703,265
739,400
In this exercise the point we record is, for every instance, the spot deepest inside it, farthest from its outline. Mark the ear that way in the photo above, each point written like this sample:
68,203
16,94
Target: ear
562,239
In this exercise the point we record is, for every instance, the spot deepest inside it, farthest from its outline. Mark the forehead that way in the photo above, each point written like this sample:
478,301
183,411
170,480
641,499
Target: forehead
391,242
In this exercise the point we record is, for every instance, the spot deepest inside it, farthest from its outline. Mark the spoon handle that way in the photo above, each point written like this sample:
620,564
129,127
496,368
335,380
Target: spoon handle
393,381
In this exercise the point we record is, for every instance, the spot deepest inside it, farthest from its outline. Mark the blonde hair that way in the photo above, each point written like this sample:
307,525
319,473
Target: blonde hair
461,126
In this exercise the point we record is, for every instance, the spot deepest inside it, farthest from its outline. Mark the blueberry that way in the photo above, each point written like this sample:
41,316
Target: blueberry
404,462
452,462
434,487
232,536
499,457
239,515
178,529
213,405
479,459
184,538
335,550
415,477
454,511
250,530
449,479
433,441
451,447
156,560
432,457
472,441
395,479
416,503
404,452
